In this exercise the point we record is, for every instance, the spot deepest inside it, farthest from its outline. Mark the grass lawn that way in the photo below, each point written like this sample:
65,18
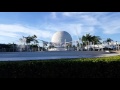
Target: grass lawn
105,67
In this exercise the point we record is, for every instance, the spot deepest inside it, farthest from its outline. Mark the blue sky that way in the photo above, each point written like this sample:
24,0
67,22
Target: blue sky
14,25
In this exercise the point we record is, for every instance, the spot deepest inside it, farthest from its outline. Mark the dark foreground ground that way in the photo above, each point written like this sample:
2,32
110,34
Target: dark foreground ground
105,67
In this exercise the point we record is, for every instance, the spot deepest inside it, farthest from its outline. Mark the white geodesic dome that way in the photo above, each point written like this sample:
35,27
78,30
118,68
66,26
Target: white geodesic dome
61,37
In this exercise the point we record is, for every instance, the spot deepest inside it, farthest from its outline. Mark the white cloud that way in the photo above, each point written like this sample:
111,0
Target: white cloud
90,20
111,30
108,21
53,15
75,29
9,34
110,24
18,30
70,14
78,22
83,13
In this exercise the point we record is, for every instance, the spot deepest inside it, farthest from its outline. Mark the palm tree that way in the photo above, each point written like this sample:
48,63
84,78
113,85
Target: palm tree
108,40
29,39
96,39
34,39
86,38
90,38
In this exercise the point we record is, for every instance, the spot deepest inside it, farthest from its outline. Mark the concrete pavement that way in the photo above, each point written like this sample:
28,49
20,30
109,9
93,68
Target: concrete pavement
45,55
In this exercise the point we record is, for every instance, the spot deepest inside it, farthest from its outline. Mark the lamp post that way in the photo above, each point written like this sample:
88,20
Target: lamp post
87,45
42,43
83,45
24,40
116,45
13,46
79,44
93,46
65,44
103,43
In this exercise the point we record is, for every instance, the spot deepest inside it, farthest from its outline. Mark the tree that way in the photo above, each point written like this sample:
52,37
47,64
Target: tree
86,38
90,38
74,47
108,40
34,39
23,40
96,39
29,39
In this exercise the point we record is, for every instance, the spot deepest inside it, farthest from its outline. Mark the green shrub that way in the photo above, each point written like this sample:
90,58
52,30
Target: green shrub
105,67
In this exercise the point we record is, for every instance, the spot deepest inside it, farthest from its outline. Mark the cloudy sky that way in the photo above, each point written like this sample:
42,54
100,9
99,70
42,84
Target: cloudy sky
14,25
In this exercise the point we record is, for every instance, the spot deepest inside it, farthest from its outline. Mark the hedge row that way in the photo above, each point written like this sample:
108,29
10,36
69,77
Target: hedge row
73,68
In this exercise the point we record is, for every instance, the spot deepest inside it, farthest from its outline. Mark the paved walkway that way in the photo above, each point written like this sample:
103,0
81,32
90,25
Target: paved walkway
45,55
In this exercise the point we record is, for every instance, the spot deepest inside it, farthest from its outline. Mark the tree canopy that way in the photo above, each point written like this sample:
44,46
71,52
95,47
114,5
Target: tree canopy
29,39
109,40
90,38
